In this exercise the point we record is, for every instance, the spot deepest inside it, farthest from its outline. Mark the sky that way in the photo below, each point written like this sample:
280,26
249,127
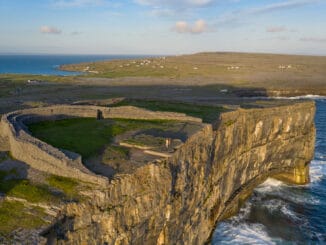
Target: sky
162,26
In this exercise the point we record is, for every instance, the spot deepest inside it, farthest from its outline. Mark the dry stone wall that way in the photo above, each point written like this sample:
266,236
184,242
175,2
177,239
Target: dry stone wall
45,157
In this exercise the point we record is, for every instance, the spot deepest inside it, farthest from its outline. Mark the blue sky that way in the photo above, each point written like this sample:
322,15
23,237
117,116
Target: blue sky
162,26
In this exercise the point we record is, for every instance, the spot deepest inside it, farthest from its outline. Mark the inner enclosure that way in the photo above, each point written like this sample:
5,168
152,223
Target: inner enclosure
111,146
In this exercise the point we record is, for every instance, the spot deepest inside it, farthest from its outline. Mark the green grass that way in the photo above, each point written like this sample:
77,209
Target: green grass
115,152
146,140
207,113
87,136
67,185
14,215
23,188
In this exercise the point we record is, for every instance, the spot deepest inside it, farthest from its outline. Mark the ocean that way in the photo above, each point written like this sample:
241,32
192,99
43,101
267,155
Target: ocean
49,64
278,213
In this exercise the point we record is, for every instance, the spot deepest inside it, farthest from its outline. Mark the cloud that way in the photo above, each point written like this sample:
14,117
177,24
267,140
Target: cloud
274,29
175,4
241,14
313,39
77,3
280,6
158,12
50,30
198,27
75,33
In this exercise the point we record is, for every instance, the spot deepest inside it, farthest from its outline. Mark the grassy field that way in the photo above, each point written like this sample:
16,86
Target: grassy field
243,69
87,136
181,78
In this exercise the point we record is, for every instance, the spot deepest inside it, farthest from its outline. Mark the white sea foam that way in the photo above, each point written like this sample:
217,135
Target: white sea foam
270,185
308,96
289,213
273,205
242,233
287,192
317,171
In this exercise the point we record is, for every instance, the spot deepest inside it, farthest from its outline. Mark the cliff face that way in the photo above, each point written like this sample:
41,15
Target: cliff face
180,200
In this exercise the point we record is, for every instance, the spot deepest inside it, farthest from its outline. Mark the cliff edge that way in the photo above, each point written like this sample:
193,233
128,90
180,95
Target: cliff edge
180,200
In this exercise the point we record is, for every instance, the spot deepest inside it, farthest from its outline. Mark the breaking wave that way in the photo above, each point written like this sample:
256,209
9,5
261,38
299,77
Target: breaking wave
309,96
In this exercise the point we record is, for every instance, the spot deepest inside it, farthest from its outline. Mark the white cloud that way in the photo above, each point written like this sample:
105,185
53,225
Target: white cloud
75,33
50,30
77,3
274,29
239,15
181,27
313,39
174,3
280,6
160,12
198,27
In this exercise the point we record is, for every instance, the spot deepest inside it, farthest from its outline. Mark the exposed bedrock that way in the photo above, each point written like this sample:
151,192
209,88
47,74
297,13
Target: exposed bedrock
180,200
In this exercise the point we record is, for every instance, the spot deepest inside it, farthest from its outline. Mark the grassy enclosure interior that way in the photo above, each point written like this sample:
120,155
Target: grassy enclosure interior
88,136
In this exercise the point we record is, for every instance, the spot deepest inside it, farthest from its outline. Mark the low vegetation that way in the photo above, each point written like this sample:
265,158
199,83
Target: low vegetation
67,185
13,186
14,215
207,113
23,188
115,153
146,140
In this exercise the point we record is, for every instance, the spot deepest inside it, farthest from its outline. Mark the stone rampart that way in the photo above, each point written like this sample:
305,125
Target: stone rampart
40,155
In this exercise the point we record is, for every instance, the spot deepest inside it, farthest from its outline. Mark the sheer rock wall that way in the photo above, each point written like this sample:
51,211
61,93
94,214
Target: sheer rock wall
180,200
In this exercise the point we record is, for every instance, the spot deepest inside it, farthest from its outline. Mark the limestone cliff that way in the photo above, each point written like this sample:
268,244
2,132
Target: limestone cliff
180,200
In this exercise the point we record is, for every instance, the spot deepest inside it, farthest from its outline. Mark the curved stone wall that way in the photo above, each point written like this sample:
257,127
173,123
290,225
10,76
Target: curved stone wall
40,155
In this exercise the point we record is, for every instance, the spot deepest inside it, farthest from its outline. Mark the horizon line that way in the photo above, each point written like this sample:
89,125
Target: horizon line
160,55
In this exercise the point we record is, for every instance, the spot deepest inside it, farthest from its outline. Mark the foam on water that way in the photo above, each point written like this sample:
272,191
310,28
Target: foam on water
317,171
243,233
302,97
309,96
270,185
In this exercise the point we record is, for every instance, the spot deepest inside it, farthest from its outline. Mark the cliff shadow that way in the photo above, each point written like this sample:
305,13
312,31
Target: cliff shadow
13,174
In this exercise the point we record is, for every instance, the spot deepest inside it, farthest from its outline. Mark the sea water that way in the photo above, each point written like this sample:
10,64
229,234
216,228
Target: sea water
49,64
278,213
